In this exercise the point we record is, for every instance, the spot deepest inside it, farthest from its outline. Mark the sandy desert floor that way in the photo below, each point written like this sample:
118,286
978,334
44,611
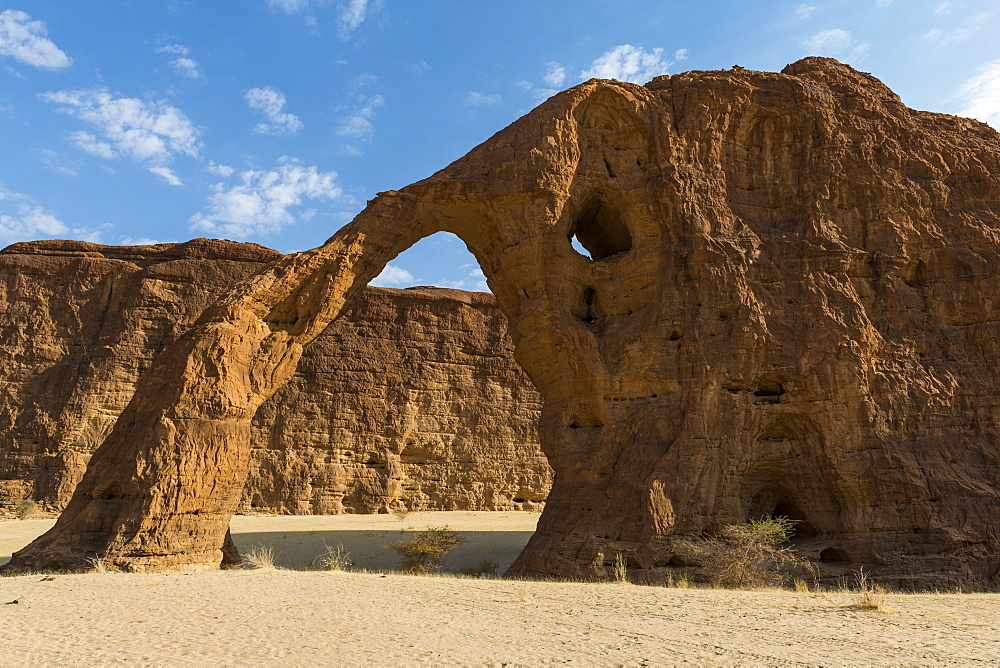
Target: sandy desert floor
299,617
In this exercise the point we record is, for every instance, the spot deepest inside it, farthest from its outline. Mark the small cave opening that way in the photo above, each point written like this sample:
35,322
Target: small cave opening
599,231
802,528
769,389
589,309
834,554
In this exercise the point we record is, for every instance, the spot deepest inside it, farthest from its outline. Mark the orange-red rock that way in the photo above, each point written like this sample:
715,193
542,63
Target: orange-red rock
789,308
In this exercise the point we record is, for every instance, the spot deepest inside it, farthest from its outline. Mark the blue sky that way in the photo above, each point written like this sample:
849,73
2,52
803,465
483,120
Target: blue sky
273,121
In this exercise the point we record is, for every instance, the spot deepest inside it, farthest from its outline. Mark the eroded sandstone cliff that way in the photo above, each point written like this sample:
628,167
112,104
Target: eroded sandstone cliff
788,307
412,397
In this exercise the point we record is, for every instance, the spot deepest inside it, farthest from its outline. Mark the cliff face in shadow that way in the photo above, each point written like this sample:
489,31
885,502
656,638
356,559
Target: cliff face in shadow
413,397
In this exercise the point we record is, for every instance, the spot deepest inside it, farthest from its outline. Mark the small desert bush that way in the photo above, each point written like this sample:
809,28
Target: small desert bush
25,508
259,557
424,552
400,511
480,569
749,555
335,559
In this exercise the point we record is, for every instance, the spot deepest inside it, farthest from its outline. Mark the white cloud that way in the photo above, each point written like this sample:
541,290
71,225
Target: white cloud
54,163
138,241
176,49
358,124
538,94
555,74
127,127
260,204
22,219
943,8
271,102
884,3
186,67
351,15
937,38
836,43
474,99
167,174
980,95
225,171
393,277
475,280
628,63
805,10
680,54
25,40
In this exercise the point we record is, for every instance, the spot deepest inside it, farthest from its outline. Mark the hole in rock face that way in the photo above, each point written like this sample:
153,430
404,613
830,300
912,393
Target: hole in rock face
834,554
589,309
769,389
600,231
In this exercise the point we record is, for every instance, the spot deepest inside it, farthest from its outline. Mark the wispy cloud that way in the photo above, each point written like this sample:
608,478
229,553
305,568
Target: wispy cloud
475,280
55,163
351,14
26,41
271,102
23,219
393,277
938,38
357,125
805,10
143,130
626,62
883,3
263,200
980,95
184,64
836,43
555,74
167,174
476,99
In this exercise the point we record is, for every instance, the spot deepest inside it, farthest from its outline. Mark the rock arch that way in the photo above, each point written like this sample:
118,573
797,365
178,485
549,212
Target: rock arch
717,307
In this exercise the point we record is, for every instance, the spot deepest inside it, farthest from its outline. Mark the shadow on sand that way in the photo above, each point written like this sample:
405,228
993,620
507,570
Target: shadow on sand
367,548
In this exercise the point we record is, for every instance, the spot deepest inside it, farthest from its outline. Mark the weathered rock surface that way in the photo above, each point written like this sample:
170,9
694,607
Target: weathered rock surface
789,307
413,396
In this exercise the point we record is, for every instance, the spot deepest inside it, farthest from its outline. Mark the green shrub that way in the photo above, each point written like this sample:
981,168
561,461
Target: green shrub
25,508
424,552
749,555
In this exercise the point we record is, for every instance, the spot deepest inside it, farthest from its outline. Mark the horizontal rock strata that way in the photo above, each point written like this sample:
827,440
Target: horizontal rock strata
412,397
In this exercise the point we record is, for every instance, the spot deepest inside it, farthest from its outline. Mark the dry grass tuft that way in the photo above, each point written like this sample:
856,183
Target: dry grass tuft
260,557
621,569
872,595
334,559
480,569
100,564
801,586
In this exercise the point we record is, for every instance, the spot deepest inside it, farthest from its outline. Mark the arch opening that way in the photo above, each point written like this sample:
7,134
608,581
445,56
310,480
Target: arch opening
417,444
599,230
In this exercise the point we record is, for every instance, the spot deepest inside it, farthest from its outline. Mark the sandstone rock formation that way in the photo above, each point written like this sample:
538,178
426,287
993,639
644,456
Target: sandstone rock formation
788,307
413,396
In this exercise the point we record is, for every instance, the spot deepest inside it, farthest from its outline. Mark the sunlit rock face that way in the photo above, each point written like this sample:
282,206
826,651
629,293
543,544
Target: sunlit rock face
788,308
412,397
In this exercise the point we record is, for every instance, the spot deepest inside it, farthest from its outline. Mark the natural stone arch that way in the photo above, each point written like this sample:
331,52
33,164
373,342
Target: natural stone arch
160,491
731,305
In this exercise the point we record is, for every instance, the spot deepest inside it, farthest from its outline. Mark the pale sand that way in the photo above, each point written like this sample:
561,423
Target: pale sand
300,618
